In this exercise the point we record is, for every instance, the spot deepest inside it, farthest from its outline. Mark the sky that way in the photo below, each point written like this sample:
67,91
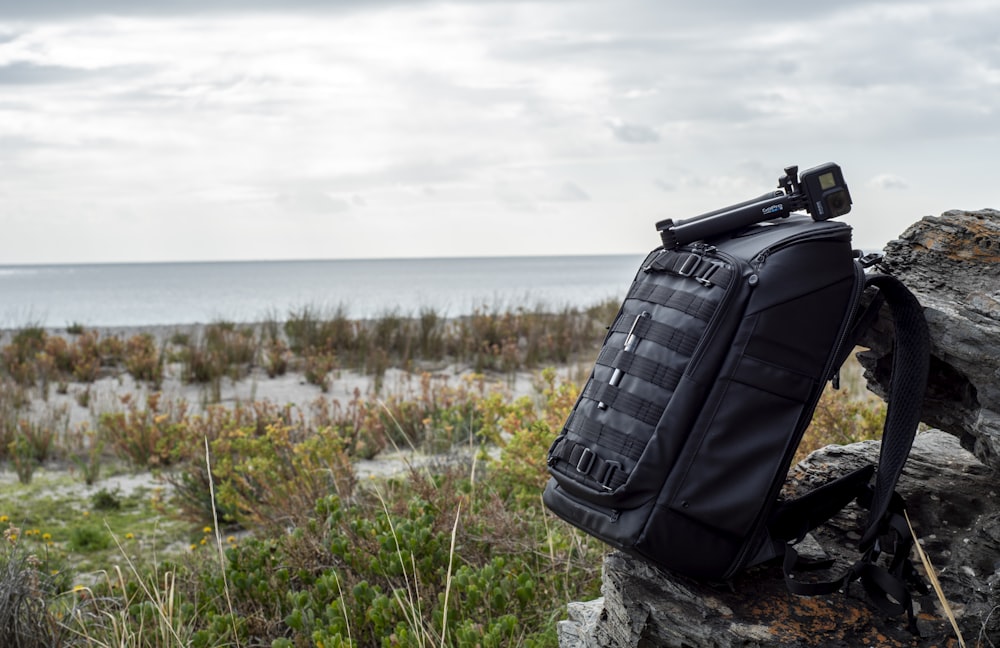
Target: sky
176,130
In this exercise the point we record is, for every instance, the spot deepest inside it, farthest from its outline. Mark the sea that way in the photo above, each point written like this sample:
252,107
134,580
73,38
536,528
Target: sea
153,294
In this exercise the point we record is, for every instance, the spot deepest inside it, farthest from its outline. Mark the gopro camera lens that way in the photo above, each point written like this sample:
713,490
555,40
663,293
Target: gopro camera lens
837,203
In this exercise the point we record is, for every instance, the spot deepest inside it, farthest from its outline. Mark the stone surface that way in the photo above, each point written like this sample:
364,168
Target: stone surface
952,264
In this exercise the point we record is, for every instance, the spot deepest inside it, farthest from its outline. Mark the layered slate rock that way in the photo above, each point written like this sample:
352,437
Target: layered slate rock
952,264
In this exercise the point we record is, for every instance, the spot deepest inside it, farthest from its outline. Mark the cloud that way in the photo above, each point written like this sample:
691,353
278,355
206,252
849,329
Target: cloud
432,111
22,72
48,9
568,192
632,133
312,201
888,181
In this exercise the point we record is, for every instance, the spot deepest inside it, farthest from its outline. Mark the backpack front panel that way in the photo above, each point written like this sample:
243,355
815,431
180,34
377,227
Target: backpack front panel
676,439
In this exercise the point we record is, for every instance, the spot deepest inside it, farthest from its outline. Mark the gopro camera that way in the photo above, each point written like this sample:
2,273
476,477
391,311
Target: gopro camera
826,192
821,191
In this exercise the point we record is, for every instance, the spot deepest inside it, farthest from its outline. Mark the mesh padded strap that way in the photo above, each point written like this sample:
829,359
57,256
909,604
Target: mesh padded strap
910,364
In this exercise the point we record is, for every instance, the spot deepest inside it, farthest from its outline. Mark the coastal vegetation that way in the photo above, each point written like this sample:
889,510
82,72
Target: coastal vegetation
265,524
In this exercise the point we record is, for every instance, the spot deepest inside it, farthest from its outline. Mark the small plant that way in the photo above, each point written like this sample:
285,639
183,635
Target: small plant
27,593
89,537
143,359
105,500
87,458
22,455
85,357
318,367
19,357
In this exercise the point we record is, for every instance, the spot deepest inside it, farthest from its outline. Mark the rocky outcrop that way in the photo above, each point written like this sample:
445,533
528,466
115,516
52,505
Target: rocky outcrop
950,482
952,264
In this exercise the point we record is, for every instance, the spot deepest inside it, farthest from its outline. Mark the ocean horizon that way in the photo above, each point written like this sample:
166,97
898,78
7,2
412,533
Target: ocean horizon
98,295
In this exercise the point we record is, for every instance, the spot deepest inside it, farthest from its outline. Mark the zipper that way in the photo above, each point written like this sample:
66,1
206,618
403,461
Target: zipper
859,289
758,261
720,309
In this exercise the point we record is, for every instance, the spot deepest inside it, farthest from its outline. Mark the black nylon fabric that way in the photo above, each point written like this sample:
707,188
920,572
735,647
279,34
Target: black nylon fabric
678,342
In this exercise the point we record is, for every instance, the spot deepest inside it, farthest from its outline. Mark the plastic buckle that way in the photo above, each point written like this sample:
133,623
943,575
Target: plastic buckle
706,276
870,259
689,266
655,264
610,468
586,461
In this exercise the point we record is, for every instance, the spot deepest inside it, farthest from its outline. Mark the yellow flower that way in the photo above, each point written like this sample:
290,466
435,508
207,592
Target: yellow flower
193,547
207,529
86,513
4,518
79,588
204,541
46,536
231,539
129,536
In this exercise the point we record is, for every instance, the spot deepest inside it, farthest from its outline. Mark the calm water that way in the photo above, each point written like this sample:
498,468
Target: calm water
187,293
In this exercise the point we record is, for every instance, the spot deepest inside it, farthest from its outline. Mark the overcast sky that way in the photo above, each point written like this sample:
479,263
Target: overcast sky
269,129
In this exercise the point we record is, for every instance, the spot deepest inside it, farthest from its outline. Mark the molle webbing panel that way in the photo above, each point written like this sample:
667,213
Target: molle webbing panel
666,313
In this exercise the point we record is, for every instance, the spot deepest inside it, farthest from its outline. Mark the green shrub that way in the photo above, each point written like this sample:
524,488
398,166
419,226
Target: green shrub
143,359
89,537
154,435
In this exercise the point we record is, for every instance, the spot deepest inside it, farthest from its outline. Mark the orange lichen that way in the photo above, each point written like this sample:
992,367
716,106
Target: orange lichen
971,239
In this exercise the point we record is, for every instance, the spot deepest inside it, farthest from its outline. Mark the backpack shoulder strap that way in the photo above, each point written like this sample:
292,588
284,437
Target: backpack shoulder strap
907,383
888,588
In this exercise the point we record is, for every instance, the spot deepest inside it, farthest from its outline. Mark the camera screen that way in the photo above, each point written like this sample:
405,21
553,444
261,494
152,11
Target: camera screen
827,181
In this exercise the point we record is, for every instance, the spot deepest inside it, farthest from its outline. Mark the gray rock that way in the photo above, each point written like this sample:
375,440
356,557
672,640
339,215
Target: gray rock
952,264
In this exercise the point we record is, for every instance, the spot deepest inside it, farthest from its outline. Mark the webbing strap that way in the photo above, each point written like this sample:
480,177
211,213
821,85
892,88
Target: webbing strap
638,408
583,459
605,436
793,519
647,328
888,588
640,367
680,300
690,264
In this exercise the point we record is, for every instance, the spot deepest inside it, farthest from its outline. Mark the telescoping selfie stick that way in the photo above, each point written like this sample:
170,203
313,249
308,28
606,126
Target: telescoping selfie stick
821,191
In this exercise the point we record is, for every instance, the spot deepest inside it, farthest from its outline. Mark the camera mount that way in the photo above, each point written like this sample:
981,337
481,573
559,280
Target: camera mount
821,192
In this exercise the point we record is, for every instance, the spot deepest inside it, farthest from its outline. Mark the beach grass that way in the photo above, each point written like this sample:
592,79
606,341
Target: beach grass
161,522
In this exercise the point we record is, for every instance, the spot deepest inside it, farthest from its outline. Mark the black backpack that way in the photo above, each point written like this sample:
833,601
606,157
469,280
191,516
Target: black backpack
681,439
